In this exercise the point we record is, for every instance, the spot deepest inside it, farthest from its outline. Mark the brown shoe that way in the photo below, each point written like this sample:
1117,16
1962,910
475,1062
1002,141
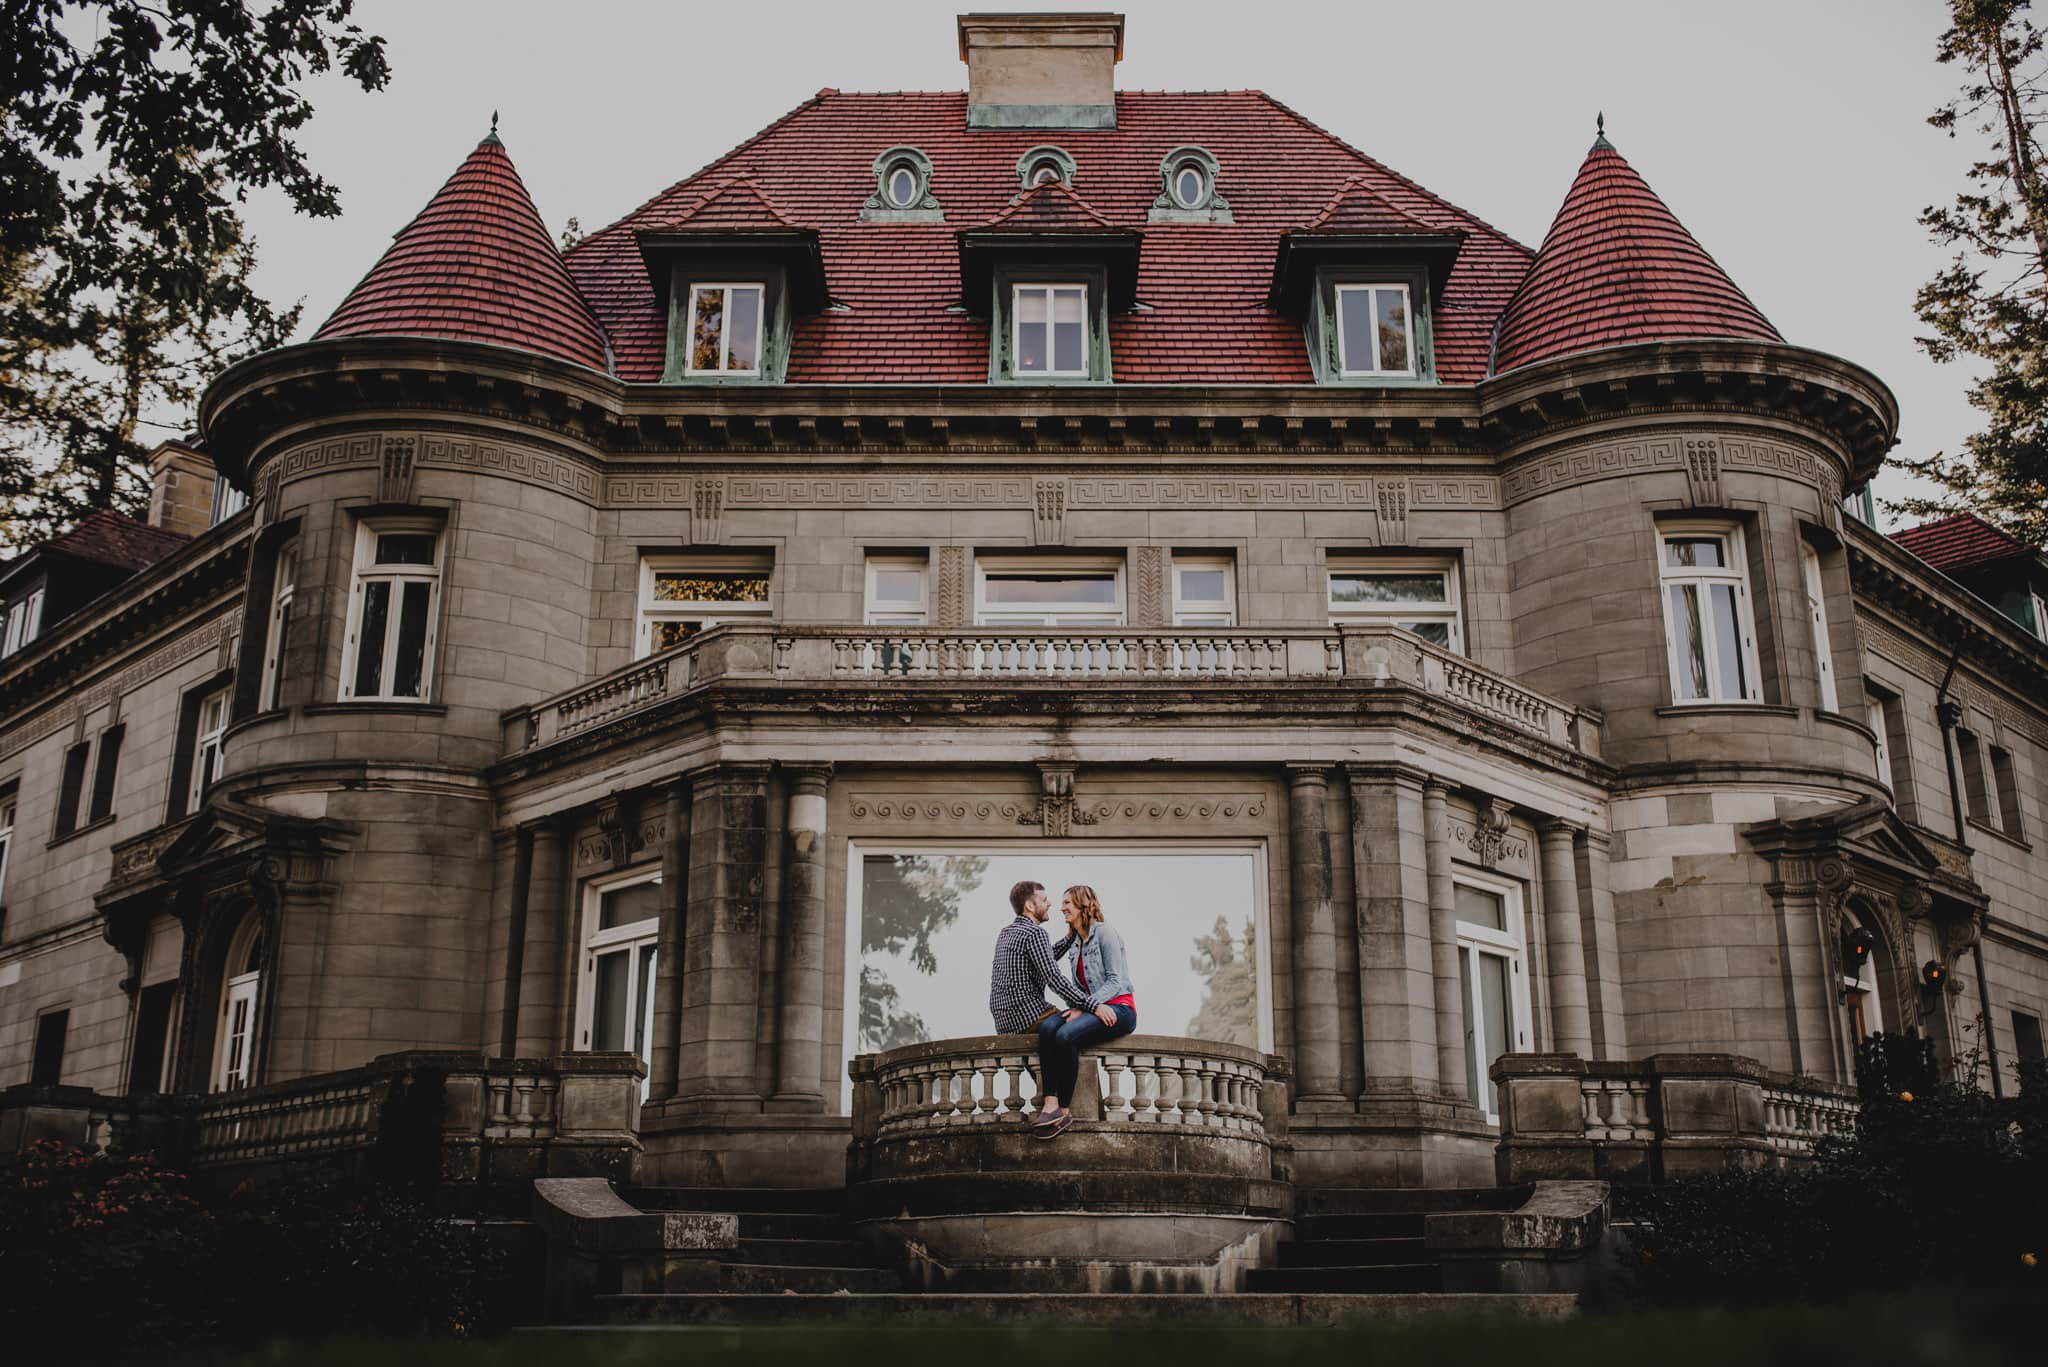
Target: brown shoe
1053,1125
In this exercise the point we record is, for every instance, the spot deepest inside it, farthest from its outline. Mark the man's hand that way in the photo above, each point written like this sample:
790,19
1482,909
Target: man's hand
1072,1014
1105,1013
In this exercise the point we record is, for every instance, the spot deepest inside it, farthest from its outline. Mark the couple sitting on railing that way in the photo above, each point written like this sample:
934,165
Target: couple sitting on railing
1099,1002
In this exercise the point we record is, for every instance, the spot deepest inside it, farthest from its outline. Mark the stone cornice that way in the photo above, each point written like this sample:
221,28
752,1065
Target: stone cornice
1887,575
254,405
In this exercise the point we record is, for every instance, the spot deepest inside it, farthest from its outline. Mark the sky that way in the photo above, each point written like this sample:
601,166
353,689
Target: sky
1789,136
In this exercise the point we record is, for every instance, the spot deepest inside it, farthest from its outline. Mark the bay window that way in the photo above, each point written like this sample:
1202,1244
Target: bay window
394,611
1710,638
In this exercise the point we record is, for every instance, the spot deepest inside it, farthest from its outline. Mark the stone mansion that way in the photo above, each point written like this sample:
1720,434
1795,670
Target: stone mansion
636,672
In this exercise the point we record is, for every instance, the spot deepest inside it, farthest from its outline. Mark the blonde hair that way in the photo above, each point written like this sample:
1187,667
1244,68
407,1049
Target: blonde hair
1087,904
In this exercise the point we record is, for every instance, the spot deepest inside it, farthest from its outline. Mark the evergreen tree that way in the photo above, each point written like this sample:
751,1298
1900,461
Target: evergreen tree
1991,303
133,134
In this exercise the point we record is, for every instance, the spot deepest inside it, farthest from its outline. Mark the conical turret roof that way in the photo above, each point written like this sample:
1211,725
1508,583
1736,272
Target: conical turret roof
1618,267
476,264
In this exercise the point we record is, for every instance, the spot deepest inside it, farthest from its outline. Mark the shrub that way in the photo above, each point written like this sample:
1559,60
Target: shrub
123,1245
1939,1184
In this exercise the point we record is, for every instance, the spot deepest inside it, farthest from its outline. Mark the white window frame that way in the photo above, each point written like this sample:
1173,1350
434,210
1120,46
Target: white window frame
878,613
1189,166
704,612
1073,615
1510,944
690,366
208,745
1873,715
1735,572
1344,366
24,623
1193,612
1017,291
7,812
1451,610
231,1072
284,594
628,939
366,572
1817,617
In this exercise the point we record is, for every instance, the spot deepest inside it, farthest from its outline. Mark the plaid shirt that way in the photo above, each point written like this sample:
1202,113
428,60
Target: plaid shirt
1022,971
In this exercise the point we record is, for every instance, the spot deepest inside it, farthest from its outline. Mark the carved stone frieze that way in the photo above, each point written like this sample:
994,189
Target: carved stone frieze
86,701
1149,607
951,598
1049,502
707,510
1703,471
549,471
1393,512
394,479
1113,813
1488,836
864,491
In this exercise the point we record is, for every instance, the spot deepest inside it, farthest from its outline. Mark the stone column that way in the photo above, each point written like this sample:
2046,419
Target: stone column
1603,959
1314,935
668,951
511,941
545,984
722,949
1571,1026
1397,983
1443,943
800,1044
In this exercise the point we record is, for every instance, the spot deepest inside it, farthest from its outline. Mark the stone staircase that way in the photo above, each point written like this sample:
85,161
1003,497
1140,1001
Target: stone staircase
1360,1255
1368,1241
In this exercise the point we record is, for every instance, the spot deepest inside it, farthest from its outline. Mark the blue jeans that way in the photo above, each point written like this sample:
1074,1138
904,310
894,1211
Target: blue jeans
1060,1042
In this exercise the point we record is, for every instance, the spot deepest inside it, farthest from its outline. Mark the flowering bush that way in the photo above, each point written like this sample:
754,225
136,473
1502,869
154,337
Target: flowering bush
1940,1184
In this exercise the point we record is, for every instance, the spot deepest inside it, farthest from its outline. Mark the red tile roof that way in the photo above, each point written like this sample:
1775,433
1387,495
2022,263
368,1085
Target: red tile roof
107,538
1049,208
1617,267
1203,286
1356,209
1958,542
735,205
476,264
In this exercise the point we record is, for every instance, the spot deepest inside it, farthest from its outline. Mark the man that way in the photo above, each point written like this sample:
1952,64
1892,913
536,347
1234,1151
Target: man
1023,967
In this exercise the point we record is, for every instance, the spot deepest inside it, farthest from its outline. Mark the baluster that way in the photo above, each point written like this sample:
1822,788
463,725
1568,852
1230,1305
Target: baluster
1145,1089
1114,1103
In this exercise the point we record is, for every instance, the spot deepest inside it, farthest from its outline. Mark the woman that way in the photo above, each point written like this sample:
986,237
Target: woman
1104,975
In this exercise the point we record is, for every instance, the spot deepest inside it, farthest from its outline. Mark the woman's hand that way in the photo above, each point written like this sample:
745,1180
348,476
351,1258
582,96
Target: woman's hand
1106,1014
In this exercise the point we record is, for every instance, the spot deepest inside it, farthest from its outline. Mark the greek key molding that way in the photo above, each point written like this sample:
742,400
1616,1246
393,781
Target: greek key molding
318,456
1561,470
83,702
860,491
951,811
510,462
1704,458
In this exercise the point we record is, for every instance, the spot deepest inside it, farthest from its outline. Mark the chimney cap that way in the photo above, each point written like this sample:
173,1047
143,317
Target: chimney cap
1043,21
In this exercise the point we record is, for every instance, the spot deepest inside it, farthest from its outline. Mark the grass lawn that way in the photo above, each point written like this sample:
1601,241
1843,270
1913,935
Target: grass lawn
1935,1330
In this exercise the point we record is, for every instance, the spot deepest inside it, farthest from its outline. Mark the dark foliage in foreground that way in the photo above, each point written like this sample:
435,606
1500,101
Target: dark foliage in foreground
1941,1185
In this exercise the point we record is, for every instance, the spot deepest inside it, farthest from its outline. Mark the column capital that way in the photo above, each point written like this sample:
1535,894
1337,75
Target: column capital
1301,774
809,776
1555,827
1387,771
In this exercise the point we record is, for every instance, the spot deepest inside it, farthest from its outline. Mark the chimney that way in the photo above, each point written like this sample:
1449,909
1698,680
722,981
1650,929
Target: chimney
1041,70
180,489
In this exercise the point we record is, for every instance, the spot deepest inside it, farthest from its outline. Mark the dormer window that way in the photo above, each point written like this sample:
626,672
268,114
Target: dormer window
1375,332
1051,330
903,189
725,329
1045,165
1187,189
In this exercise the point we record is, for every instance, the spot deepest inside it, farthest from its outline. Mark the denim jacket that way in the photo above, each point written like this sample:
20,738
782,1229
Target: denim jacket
1103,963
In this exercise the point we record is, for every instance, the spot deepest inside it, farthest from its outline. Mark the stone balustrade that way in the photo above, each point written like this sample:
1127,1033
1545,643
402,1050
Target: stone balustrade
1657,1119
1140,1081
909,657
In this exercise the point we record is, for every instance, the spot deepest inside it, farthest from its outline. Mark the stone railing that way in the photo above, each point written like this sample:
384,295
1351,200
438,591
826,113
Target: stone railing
469,1118
1141,1080
1656,1119
909,657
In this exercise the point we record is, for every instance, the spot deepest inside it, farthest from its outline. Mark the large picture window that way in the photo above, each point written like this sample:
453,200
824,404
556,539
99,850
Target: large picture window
681,595
1048,593
394,611
615,1009
1193,921
1494,983
1418,595
1709,634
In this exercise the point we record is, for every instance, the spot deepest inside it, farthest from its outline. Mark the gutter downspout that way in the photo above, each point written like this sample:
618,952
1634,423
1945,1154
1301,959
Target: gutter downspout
1949,713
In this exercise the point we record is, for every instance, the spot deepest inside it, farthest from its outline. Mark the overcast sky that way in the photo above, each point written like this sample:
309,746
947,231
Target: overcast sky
1790,136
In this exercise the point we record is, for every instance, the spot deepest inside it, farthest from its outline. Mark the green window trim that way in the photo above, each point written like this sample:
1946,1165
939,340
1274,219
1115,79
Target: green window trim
1320,327
1058,156
881,207
775,323
1209,206
1002,324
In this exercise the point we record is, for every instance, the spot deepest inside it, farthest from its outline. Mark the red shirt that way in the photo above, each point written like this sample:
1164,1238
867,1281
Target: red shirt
1081,976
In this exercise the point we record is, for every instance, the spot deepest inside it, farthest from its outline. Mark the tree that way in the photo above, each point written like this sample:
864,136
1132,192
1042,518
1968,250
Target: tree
133,135
905,900
1230,987
1991,303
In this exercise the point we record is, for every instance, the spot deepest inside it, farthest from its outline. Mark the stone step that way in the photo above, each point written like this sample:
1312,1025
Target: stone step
770,1279
1377,1280
1034,1311
1352,1252
794,1225
1409,1200
802,1252
741,1200
1389,1225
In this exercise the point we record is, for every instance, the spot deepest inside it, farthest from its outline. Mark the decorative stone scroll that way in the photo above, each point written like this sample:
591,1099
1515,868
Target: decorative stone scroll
1050,508
1703,471
394,481
1393,512
707,510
